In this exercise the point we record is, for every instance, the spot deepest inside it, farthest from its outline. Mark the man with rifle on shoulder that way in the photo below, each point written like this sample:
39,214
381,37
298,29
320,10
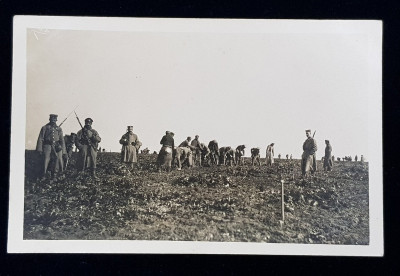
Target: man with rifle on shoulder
87,140
308,158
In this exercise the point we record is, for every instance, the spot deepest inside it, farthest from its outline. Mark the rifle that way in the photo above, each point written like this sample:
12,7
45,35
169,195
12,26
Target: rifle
83,131
313,134
68,116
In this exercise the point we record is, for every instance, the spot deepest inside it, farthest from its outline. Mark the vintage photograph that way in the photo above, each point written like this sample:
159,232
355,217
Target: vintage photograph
196,136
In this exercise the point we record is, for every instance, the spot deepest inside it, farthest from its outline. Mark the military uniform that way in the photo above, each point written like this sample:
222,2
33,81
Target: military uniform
308,158
87,140
51,144
328,156
130,145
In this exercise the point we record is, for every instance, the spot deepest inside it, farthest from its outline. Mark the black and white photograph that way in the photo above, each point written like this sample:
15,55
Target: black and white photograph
199,136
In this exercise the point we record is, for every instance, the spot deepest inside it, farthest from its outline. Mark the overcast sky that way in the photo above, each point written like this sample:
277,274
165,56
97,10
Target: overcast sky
251,89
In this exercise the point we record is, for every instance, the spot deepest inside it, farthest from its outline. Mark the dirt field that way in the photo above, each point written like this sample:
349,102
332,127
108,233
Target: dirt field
219,203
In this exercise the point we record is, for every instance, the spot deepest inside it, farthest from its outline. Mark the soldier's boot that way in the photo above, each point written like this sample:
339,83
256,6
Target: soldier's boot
94,174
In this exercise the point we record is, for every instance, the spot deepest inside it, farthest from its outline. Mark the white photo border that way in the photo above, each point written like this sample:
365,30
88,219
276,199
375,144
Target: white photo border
372,28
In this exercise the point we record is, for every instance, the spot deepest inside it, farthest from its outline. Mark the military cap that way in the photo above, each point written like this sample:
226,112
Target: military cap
326,141
189,138
88,120
172,133
53,116
168,132
308,130
197,136
73,134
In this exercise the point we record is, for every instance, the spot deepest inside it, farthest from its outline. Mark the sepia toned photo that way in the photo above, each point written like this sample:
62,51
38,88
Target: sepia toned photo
196,136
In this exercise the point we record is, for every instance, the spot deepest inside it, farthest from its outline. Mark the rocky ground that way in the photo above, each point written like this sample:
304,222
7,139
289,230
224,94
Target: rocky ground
220,203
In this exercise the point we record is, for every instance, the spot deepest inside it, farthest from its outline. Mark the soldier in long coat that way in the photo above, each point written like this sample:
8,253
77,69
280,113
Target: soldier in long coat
328,156
270,155
308,158
130,145
51,145
87,141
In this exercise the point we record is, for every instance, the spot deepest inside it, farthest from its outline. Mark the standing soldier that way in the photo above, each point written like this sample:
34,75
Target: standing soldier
196,148
362,159
333,158
279,156
87,140
270,155
308,158
328,157
130,145
291,157
51,145
287,156
69,145
355,158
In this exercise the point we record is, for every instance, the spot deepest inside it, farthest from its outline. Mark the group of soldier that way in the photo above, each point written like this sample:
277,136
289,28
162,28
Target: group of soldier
52,144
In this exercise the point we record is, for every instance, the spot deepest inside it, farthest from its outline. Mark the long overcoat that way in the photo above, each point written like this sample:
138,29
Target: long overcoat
130,144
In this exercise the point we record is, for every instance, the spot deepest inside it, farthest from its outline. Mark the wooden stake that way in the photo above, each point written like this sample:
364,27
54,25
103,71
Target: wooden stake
283,200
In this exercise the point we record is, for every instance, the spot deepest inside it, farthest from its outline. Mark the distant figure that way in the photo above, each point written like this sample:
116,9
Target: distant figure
338,159
230,157
196,149
279,156
87,140
205,154
362,159
308,158
155,152
69,143
291,157
104,150
287,156
333,158
164,158
214,153
239,153
223,155
130,145
270,155
99,150
146,151
51,145
356,158
255,156
183,155
328,157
